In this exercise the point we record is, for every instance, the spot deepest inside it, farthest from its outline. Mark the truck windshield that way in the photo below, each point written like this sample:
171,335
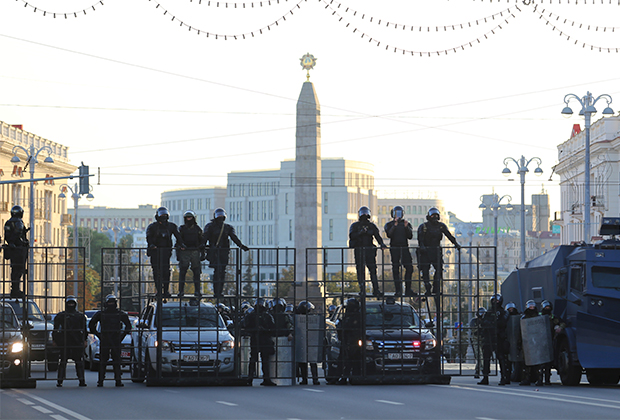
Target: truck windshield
34,313
606,277
191,316
391,316
8,319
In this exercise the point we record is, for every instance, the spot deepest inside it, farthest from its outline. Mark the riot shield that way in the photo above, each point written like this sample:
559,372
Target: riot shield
513,330
537,341
309,336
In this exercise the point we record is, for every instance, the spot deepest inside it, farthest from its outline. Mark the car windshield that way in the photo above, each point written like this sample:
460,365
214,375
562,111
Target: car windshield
191,316
7,318
606,277
34,313
400,316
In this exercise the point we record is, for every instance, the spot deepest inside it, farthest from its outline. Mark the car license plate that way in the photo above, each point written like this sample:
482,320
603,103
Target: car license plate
126,354
194,358
37,346
398,356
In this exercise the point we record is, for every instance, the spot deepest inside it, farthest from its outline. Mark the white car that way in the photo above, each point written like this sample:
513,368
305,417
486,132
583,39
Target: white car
194,340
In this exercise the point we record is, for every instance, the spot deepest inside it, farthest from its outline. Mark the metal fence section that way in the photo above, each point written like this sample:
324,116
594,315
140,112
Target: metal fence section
30,350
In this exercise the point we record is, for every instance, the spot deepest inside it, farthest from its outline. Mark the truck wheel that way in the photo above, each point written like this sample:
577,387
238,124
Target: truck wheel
603,376
570,374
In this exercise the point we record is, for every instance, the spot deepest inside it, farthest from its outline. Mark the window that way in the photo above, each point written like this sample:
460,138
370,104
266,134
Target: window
325,203
331,229
333,179
286,203
290,230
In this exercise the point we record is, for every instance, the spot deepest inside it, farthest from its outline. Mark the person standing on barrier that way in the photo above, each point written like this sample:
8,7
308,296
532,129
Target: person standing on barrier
399,230
16,248
159,241
191,255
70,335
361,235
110,334
216,238
306,308
430,234
260,326
530,373
350,335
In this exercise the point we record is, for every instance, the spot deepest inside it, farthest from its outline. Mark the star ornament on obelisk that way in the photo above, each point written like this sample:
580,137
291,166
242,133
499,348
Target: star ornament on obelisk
308,61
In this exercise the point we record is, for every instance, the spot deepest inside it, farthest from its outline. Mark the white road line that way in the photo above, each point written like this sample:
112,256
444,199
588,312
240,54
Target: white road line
389,402
227,403
58,417
538,396
55,406
484,418
25,401
312,390
41,409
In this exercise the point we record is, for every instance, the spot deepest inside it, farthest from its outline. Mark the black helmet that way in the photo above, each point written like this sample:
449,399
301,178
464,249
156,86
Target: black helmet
364,212
162,214
219,212
305,307
110,300
17,211
353,305
189,217
279,304
481,312
221,308
530,304
397,211
71,300
497,299
432,212
260,305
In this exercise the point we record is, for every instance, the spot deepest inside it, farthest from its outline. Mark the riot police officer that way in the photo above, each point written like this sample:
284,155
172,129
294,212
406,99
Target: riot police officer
430,234
16,248
361,236
530,373
216,237
306,307
502,347
260,326
70,335
159,241
514,359
399,230
110,334
557,325
283,321
350,335
475,339
190,256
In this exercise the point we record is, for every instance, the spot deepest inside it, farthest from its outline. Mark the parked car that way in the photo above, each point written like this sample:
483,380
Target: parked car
194,340
39,332
395,342
92,349
13,348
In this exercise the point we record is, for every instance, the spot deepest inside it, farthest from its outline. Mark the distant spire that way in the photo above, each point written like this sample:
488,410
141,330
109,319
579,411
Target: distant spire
308,61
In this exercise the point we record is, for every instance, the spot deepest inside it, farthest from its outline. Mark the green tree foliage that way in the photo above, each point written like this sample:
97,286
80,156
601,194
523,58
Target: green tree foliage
126,241
248,277
97,241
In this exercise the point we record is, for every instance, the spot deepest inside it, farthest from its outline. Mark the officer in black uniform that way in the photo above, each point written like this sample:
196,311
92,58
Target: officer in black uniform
515,368
283,321
111,334
70,335
260,326
399,230
530,373
361,236
216,237
306,308
430,234
159,241
350,335
557,326
16,248
476,340
190,256
502,348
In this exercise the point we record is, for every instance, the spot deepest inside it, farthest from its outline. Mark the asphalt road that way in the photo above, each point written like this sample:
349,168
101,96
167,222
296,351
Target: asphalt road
462,399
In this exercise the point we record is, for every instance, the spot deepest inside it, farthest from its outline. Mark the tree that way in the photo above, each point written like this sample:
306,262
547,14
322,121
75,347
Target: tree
97,241
248,276
126,241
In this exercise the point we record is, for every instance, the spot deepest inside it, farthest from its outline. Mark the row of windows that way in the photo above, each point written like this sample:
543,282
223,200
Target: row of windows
408,209
188,204
253,190
258,235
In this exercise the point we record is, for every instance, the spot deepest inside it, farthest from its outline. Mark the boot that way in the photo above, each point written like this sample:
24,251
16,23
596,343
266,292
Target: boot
484,381
79,368
315,374
303,371
197,289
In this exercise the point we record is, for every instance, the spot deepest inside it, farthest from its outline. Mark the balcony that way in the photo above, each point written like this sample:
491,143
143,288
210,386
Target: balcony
65,219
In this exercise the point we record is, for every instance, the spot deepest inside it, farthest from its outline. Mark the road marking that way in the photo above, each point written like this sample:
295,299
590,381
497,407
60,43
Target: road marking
172,391
484,418
312,390
389,402
25,401
539,396
227,403
55,406
42,409
58,417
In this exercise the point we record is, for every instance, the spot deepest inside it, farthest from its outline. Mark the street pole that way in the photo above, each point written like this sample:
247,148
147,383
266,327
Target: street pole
76,198
586,171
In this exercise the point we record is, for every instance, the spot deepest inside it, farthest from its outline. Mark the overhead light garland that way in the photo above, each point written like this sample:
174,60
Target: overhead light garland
577,25
61,14
245,35
244,5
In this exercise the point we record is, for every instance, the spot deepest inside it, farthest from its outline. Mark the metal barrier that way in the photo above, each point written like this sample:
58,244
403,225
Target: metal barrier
30,350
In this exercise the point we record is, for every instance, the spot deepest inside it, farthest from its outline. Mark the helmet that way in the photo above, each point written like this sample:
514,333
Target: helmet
364,212
530,304
352,305
397,211
432,212
245,306
497,299
305,307
162,214
260,305
17,211
481,312
71,300
279,304
221,308
332,309
511,305
289,308
547,307
219,212
110,300
189,216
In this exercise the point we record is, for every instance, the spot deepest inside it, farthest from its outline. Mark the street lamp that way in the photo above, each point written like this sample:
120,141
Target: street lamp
76,197
587,110
495,206
522,165
116,229
31,159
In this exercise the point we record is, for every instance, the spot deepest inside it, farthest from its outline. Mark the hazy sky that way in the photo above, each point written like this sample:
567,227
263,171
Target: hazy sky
157,106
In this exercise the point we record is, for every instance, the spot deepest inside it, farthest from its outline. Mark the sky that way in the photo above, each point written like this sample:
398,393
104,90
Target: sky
151,104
